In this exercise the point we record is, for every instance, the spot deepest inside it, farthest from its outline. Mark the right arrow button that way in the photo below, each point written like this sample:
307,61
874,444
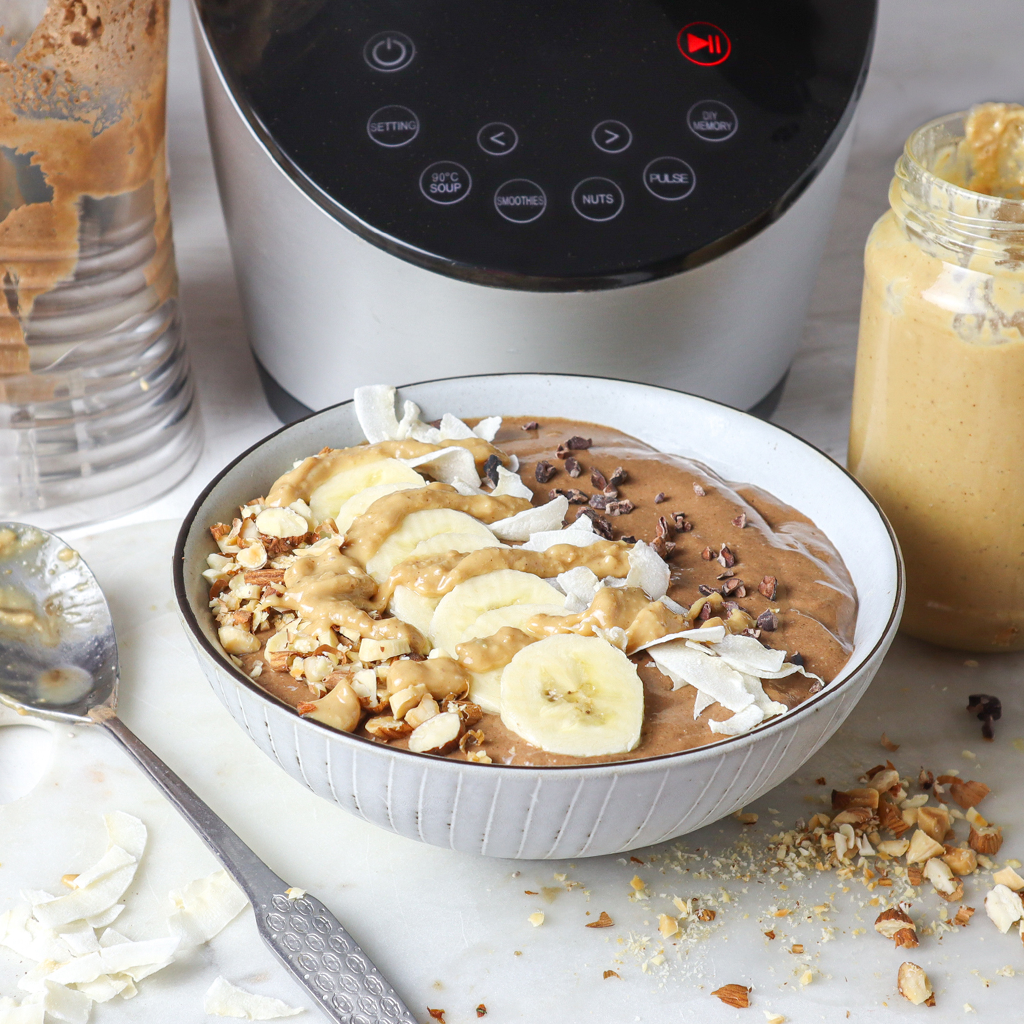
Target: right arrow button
611,136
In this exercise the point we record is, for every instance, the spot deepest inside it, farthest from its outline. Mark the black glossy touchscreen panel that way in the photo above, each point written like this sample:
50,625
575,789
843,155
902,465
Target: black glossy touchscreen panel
541,144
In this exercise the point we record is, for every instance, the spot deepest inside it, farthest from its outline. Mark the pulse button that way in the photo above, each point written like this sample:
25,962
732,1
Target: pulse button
389,51
597,199
669,178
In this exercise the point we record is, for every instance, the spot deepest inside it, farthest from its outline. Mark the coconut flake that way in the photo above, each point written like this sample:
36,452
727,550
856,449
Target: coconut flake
116,959
223,999
204,907
65,1004
532,521
104,988
28,1012
673,606
453,429
80,937
746,654
107,917
449,465
511,484
647,571
579,534
580,586
701,703
20,932
375,410
686,665
711,635
488,427
113,859
743,721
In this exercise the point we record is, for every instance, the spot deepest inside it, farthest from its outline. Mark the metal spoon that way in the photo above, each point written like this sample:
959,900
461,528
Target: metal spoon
58,660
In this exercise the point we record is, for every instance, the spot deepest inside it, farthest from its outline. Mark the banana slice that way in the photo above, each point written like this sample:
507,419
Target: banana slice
573,695
414,608
326,501
418,527
460,608
462,542
362,500
485,687
516,615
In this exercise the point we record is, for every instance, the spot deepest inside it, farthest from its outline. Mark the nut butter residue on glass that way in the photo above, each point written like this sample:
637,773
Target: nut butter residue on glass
937,428
507,619
73,109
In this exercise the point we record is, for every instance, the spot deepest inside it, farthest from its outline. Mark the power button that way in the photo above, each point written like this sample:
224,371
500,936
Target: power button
389,51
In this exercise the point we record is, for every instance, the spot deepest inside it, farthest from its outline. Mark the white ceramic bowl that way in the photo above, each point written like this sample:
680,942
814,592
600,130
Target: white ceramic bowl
512,811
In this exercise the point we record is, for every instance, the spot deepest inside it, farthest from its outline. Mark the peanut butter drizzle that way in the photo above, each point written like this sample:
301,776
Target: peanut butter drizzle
326,588
443,677
308,475
439,574
495,651
625,608
385,515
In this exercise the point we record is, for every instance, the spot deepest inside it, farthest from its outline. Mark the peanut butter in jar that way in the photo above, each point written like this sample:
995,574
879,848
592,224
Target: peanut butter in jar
937,432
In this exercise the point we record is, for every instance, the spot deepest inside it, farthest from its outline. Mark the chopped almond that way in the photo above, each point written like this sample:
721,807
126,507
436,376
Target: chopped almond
604,921
933,821
987,839
923,848
888,744
612,974
1009,878
893,921
969,793
963,915
854,798
961,861
914,985
734,995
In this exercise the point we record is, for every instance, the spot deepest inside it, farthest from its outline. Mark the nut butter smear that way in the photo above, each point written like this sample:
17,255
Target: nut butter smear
480,619
83,98
937,429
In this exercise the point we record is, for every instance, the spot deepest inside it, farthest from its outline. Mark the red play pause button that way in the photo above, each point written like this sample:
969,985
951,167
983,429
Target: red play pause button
703,43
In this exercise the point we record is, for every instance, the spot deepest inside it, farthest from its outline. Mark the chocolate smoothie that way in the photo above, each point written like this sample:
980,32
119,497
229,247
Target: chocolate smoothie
740,563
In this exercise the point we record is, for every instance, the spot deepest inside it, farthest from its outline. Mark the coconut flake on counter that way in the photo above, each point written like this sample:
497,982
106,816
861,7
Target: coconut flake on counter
540,520
223,999
78,961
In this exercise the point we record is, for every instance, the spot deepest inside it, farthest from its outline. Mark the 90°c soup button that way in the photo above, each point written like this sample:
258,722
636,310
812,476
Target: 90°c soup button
445,182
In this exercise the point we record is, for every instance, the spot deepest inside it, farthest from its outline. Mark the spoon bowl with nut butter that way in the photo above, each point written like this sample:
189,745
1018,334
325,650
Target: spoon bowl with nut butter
58,660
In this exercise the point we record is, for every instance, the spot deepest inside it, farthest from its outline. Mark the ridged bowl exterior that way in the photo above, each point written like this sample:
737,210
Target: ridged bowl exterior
563,812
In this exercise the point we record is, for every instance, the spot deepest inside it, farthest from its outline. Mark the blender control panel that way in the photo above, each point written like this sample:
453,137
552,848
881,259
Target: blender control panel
569,144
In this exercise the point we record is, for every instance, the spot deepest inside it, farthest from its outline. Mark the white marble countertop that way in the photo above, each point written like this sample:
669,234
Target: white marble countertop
452,931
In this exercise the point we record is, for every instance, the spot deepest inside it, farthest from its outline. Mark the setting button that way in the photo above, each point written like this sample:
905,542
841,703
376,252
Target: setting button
712,121
393,126
612,137
389,51
597,199
445,182
497,139
520,200
669,178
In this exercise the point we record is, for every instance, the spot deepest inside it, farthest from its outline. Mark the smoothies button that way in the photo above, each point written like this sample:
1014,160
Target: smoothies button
520,200
597,199
445,183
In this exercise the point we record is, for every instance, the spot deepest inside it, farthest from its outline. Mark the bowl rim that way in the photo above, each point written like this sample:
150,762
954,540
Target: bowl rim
693,753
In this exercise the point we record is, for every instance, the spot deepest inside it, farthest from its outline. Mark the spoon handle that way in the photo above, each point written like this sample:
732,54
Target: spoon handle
304,935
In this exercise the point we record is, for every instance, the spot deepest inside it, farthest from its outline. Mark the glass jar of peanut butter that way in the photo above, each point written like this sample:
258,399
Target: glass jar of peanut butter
937,432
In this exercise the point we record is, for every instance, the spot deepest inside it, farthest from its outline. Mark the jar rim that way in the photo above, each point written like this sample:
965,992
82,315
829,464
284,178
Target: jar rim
912,160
